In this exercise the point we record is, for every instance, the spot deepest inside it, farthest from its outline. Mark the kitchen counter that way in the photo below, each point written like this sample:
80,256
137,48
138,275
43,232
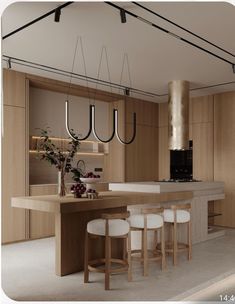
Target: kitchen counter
202,193
162,187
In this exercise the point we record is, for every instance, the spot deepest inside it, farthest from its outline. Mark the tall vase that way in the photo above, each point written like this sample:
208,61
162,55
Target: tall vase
61,183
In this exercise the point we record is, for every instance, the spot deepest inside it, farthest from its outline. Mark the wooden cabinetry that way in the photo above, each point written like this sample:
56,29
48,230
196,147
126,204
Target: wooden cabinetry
224,155
201,121
163,151
139,160
14,222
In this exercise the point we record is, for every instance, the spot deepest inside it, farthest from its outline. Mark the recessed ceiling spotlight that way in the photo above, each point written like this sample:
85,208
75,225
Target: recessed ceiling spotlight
57,15
123,15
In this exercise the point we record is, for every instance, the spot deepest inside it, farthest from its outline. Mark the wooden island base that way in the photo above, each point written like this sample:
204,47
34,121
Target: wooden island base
70,239
72,215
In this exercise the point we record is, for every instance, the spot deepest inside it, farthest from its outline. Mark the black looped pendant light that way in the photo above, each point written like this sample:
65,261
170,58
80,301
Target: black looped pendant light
92,122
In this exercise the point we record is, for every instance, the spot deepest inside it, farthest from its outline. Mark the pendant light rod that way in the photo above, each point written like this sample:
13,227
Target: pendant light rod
78,76
182,28
59,8
67,123
117,133
94,130
171,33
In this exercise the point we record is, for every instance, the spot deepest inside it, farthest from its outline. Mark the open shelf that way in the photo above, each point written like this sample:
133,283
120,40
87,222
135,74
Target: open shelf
87,147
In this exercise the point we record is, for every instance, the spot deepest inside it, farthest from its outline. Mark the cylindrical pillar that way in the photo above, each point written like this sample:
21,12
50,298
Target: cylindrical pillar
178,115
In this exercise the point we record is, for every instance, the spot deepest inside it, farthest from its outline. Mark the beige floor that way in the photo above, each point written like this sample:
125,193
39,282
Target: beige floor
28,274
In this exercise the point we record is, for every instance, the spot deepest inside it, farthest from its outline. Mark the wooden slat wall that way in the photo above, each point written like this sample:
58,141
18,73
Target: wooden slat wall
224,155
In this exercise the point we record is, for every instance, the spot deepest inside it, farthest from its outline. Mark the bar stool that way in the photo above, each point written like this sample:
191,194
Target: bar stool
177,215
149,220
109,226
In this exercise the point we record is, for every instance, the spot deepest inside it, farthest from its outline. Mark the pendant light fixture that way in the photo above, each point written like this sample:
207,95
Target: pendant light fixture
92,122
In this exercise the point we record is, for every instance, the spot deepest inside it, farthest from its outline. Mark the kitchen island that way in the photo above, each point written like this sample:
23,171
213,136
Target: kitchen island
72,215
202,192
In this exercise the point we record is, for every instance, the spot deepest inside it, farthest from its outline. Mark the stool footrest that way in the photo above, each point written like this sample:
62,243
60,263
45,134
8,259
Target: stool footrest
155,255
94,264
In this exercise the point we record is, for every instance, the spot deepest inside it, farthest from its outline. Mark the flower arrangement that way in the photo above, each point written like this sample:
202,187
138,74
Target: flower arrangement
62,160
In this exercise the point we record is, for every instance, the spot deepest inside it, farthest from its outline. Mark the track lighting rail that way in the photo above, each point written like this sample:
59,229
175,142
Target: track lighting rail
98,81
182,28
56,10
51,69
171,34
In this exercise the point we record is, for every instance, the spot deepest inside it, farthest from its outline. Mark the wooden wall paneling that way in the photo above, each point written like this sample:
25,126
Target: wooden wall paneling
141,157
163,115
142,154
114,161
27,154
146,112
163,151
224,156
14,172
203,158
202,109
14,88
163,154
41,224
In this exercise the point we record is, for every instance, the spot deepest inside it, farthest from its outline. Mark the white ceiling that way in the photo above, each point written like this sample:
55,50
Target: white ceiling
155,58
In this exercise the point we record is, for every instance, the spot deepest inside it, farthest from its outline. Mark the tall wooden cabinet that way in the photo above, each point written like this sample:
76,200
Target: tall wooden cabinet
224,155
14,156
201,124
139,160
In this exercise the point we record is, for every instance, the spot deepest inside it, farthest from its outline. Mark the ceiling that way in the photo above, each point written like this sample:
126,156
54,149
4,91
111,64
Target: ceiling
155,58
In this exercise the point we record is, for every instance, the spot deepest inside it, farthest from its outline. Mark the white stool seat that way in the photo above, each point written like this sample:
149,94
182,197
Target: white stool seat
182,216
153,221
117,227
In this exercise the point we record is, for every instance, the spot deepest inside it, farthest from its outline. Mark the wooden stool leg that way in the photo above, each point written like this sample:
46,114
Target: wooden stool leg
86,258
145,254
189,240
163,248
155,239
175,244
124,249
129,257
107,261
142,246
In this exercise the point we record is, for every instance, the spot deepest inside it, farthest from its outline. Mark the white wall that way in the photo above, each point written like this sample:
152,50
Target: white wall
47,109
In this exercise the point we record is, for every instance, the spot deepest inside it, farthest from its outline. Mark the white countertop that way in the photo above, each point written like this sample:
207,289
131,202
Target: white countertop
159,187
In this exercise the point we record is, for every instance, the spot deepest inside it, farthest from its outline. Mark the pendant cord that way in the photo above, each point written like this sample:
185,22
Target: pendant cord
103,50
125,59
85,69
71,75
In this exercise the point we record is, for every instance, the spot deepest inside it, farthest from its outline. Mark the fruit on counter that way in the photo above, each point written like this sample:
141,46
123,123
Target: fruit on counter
91,175
78,189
